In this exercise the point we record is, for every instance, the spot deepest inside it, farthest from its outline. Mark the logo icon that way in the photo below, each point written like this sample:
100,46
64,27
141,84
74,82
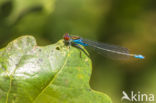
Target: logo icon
125,96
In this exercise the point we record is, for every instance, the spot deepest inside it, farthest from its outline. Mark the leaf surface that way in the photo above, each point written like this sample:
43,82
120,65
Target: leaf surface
48,74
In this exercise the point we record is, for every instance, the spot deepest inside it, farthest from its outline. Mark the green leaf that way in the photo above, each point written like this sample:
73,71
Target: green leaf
49,74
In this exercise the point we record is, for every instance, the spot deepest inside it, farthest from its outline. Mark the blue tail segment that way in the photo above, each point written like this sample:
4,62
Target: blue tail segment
139,56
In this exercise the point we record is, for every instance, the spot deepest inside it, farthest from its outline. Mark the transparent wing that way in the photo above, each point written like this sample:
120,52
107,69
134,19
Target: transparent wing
111,51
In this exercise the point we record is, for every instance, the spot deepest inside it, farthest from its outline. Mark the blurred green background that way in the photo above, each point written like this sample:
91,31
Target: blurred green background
129,23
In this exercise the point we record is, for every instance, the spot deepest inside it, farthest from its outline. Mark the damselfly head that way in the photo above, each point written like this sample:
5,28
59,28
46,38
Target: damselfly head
66,37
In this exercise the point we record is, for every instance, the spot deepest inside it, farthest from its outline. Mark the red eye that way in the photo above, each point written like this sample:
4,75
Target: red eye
66,37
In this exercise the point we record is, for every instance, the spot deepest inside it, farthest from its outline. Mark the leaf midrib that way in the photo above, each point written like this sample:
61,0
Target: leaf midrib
52,79
11,78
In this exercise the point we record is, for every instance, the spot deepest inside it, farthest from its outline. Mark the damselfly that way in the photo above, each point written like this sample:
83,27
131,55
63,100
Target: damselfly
112,51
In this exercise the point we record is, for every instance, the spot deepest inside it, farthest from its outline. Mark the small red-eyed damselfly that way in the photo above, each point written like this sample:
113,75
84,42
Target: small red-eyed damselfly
115,52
